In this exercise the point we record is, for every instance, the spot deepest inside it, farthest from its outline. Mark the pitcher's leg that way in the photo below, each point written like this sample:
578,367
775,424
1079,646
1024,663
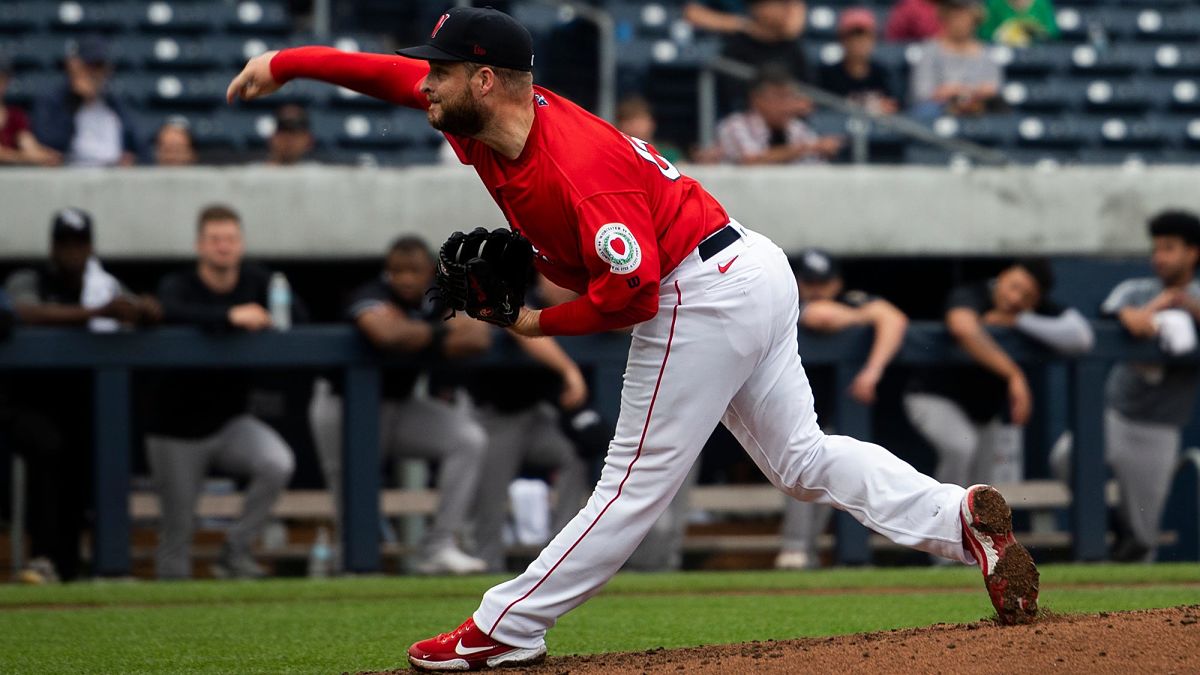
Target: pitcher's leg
649,457
879,489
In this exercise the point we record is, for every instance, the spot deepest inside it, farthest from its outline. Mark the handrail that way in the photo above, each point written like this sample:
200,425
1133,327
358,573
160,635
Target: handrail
606,83
861,116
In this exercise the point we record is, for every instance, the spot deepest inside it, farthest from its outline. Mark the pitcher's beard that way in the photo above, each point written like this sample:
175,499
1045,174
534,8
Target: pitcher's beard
462,117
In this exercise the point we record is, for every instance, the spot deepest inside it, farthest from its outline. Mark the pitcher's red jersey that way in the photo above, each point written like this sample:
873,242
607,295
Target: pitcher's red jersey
606,214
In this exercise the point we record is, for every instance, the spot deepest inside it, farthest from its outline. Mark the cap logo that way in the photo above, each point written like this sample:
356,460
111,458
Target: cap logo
817,262
73,219
439,25
479,51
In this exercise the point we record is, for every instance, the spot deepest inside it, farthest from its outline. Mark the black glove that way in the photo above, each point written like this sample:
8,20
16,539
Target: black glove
485,274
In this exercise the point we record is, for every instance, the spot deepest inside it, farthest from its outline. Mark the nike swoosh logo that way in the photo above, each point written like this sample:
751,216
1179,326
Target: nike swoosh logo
467,651
725,268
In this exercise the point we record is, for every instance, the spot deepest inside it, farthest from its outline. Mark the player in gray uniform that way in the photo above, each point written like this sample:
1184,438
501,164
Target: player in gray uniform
827,307
516,405
394,314
1147,404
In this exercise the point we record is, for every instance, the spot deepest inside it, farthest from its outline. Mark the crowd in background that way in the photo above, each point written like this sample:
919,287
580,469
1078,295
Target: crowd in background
84,122
535,418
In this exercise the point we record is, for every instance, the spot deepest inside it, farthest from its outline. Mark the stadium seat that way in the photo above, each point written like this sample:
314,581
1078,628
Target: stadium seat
27,86
647,19
1121,59
205,90
1160,26
38,51
1046,95
1040,60
538,17
178,17
1067,133
1176,59
91,17
258,16
358,131
1184,96
991,130
1136,95
18,16
1120,132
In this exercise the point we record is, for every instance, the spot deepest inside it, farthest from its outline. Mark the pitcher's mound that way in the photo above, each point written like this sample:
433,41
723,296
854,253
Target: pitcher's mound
1149,641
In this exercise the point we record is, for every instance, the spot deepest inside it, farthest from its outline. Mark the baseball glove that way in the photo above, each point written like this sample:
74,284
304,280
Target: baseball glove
485,274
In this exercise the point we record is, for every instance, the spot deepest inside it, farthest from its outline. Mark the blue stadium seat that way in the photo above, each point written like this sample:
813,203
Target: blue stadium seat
1040,60
35,51
1121,59
358,131
1047,158
1184,96
73,15
1180,131
1156,25
1177,59
414,128
168,52
1068,133
25,87
249,130
138,88
822,21
179,17
199,90
208,131
991,130
258,16
1136,95
646,19
19,16
1046,95
1119,132
538,17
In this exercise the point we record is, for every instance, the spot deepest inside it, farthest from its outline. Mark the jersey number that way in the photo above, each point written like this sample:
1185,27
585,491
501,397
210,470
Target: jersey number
643,149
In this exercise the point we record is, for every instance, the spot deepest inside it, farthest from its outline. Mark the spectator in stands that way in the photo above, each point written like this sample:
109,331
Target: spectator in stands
767,35
771,131
1147,404
973,416
199,420
955,74
522,409
635,118
47,415
82,120
292,142
18,145
913,21
827,307
435,422
858,76
173,144
1019,23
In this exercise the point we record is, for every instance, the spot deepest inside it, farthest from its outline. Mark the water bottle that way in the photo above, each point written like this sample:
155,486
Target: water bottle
279,299
320,556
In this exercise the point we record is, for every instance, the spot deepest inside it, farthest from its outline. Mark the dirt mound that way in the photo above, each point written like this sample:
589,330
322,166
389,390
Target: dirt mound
1150,641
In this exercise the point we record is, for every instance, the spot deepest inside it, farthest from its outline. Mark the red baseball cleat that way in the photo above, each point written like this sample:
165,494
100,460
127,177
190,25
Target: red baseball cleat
1009,574
468,648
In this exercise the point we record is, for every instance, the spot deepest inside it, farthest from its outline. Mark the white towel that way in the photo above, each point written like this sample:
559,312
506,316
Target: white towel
1176,331
99,289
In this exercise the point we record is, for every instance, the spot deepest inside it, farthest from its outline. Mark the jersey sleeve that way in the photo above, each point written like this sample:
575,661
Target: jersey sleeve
391,78
620,250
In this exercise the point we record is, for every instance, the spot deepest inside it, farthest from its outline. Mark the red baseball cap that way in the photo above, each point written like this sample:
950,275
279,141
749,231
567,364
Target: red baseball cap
856,19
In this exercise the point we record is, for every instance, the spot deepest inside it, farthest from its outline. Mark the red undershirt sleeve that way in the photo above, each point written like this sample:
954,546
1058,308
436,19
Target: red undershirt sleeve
620,250
391,78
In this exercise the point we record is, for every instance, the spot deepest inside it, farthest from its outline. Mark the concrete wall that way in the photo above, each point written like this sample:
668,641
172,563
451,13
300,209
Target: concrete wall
347,212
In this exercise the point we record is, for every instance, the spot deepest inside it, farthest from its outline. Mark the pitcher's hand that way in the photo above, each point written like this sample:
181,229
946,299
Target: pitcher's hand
255,80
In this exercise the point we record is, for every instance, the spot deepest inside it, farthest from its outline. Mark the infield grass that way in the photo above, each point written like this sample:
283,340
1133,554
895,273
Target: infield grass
331,626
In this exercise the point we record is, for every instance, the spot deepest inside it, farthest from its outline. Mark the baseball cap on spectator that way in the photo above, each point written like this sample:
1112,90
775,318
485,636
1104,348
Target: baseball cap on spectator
92,50
291,118
816,266
1182,224
71,224
479,35
856,20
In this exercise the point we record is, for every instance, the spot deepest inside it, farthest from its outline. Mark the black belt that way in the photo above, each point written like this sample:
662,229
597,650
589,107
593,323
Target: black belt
718,241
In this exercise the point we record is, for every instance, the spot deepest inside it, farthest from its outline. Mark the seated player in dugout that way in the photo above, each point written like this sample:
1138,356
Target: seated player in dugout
826,306
424,414
974,416
537,418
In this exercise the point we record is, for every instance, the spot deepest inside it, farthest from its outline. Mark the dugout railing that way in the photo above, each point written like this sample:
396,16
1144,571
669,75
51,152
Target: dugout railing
1075,392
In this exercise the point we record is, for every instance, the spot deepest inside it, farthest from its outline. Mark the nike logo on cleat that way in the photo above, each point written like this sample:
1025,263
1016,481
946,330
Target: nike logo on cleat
467,651
725,268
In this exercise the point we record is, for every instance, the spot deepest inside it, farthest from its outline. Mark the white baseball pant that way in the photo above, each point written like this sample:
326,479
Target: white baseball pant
722,348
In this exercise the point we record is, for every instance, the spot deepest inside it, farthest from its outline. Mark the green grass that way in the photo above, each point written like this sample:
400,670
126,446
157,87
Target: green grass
365,624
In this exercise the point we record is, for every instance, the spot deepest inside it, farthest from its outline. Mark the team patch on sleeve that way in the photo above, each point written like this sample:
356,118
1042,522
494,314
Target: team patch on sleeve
616,246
